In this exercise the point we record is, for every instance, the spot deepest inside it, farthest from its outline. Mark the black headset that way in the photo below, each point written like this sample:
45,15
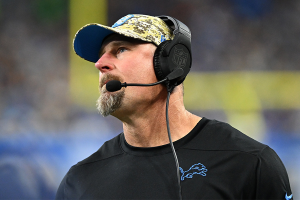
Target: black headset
173,54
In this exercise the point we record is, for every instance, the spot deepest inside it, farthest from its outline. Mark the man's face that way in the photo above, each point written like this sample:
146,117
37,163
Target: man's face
131,61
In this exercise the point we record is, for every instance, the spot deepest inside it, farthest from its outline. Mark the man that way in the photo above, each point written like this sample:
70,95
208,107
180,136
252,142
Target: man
216,161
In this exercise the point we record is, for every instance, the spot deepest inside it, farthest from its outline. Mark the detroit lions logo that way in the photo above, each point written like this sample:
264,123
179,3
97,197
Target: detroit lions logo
288,197
122,20
195,169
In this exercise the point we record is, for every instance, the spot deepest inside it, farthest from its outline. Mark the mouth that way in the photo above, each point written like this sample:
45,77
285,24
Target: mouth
104,82
107,78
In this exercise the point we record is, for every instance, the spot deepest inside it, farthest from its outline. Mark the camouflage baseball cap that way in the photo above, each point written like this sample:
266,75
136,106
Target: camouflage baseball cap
89,38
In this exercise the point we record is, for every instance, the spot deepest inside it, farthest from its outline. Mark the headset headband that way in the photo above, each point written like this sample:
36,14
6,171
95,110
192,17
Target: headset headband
180,30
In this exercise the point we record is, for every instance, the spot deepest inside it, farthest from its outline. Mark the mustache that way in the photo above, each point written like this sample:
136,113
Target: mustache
108,77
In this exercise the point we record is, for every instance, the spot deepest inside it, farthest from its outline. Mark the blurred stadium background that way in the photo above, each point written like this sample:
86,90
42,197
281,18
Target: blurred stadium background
246,71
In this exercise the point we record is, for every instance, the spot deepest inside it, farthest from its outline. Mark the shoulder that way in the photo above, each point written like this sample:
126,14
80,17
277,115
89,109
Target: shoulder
80,173
109,149
220,136
223,137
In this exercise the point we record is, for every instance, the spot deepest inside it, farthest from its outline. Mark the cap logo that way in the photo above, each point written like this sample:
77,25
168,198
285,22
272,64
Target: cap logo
122,20
162,39
180,57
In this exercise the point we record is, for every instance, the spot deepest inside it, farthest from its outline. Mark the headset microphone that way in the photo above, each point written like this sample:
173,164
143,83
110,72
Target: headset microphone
115,85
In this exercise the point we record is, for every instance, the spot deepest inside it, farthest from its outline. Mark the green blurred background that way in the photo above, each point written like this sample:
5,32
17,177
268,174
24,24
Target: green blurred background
246,71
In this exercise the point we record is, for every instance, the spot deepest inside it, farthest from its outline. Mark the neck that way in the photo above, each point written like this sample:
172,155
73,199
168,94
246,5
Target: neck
148,128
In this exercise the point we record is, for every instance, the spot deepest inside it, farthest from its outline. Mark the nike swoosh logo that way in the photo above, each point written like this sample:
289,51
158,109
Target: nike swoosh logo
288,197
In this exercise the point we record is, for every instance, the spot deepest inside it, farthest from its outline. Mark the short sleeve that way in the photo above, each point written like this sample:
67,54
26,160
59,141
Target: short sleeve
272,178
60,195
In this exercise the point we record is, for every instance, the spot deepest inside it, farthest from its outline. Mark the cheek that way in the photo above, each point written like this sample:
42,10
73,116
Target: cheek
142,71
147,70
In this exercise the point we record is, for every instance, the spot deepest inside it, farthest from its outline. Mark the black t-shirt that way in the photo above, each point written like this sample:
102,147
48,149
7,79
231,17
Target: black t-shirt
216,162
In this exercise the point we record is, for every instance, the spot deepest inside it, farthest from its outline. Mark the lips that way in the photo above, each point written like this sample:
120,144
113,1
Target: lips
108,77
105,82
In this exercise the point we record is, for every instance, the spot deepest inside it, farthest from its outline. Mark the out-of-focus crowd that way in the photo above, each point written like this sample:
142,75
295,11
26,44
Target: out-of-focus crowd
42,133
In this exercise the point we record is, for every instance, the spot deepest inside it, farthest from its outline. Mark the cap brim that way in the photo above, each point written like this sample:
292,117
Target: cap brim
88,41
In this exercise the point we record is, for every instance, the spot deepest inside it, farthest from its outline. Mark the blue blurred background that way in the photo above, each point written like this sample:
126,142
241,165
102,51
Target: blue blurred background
246,71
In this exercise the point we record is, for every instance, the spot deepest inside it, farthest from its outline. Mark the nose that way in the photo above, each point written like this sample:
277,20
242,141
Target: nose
104,64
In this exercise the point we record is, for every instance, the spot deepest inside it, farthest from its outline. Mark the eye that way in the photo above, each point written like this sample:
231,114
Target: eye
121,50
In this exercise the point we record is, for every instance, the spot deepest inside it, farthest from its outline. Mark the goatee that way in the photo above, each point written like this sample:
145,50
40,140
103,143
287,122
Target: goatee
109,102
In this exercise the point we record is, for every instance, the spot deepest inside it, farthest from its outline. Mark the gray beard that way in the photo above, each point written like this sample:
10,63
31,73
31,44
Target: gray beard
108,103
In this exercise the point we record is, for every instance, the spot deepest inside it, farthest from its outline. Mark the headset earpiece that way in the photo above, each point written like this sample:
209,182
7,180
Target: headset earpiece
173,54
159,61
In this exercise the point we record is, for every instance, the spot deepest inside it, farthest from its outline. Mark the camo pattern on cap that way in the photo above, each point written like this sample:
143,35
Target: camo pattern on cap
143,27
147,28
